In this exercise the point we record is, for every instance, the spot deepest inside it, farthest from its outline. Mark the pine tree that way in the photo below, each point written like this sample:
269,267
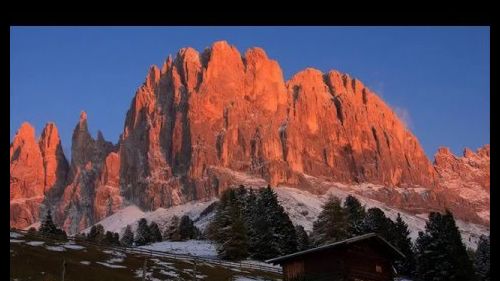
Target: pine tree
376,221
482,259
440,252
128,237
268,230
263,246
302,238
402,241
96,234
217,230
48,227
228,229
172,231
116,239
250,213
186,228
80,237
142,235
108,238
155,232
331,225
284,236
236,246
355,215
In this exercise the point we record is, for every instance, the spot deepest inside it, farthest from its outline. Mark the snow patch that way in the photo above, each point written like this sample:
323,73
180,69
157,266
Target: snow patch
115,260
303,208
169,273
15,235
115,253
16,241
131,214
73,246
111,265
200,248
85,262
55,248
35,243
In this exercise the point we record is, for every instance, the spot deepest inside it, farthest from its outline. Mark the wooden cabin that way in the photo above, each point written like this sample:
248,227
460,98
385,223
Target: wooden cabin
367,257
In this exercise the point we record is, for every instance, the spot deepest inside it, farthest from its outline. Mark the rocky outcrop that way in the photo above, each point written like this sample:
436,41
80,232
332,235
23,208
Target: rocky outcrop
37,173
222,109
464,182
205,121
92,192
26,165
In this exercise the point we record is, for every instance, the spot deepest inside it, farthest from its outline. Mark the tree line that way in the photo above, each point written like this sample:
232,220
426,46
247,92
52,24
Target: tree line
252,224
178,230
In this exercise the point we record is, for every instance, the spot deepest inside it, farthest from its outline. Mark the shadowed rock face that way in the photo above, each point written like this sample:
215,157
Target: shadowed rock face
92,192
201,118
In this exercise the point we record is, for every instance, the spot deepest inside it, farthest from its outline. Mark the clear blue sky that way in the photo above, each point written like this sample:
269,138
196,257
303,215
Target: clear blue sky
437,79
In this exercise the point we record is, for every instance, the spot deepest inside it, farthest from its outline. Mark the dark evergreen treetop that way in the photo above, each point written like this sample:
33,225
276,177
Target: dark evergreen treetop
155,232
172,231
376,221
440,252
355,214
143,234
187,230
332,224
128,237
482,259
48,226
402,241
302,238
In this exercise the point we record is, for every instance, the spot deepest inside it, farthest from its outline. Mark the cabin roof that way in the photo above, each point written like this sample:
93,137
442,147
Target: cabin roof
352,240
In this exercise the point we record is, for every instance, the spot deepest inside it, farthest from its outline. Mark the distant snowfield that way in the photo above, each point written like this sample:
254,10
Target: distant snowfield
131,214
302,206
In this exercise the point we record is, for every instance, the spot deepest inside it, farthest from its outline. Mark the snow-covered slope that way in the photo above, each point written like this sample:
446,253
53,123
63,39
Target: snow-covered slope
303,207
131,214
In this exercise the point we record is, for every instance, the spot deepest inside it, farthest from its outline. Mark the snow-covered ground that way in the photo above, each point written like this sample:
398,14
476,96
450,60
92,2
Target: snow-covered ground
303,207
131,214
200,248
15,235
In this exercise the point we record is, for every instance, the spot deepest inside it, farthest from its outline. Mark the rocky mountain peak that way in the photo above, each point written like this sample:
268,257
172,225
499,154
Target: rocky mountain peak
204,122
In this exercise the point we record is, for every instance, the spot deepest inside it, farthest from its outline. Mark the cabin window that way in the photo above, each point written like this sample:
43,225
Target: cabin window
378,268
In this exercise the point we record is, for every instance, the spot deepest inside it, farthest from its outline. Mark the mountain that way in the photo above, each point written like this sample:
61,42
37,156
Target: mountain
206,121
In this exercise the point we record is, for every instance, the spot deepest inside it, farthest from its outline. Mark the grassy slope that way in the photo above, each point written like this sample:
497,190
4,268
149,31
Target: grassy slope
28,262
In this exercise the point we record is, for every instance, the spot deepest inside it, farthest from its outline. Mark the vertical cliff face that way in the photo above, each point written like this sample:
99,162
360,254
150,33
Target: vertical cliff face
222,109
92,192
465,181
26,177
339,129
204,121
26,168
54,162
37,172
